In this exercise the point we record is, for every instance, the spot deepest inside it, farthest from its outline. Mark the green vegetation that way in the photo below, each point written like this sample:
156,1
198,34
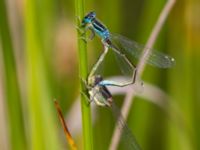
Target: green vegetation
40,60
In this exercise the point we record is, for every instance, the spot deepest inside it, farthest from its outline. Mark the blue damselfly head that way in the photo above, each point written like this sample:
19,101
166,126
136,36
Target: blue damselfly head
88,18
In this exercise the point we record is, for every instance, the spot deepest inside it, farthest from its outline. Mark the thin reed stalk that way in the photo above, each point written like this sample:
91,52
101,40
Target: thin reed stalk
141,65
83,71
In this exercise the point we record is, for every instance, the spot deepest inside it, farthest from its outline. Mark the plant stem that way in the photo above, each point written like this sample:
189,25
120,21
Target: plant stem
83,72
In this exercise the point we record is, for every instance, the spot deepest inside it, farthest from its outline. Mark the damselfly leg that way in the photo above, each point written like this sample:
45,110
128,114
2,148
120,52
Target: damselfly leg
98,63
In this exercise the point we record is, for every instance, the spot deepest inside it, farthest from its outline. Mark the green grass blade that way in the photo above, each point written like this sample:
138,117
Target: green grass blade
42,130
13,99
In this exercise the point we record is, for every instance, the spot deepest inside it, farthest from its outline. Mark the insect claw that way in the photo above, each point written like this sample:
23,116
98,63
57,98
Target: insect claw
83,38
88,101
92,35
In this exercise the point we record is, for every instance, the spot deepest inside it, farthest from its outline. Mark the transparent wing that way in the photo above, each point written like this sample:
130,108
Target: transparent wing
126,68
127,136
132,48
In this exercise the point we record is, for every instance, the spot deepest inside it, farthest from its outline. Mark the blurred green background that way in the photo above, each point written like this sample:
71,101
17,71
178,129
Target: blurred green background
38,62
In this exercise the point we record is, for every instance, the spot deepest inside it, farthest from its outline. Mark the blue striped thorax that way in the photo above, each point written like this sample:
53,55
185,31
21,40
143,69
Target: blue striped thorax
92,23
100,29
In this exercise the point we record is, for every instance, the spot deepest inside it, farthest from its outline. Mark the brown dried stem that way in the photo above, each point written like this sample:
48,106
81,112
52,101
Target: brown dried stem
64,125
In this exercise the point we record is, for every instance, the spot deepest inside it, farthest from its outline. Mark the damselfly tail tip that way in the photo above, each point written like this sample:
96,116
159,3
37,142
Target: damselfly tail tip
173,62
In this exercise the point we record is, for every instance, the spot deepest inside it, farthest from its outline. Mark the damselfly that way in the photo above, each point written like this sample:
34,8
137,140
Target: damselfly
99,94
122,45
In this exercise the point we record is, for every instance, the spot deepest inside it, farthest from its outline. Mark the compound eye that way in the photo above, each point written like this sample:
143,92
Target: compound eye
92,14
98,79
88,18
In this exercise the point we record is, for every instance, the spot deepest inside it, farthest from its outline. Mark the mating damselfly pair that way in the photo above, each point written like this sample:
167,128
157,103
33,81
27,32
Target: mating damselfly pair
126,50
